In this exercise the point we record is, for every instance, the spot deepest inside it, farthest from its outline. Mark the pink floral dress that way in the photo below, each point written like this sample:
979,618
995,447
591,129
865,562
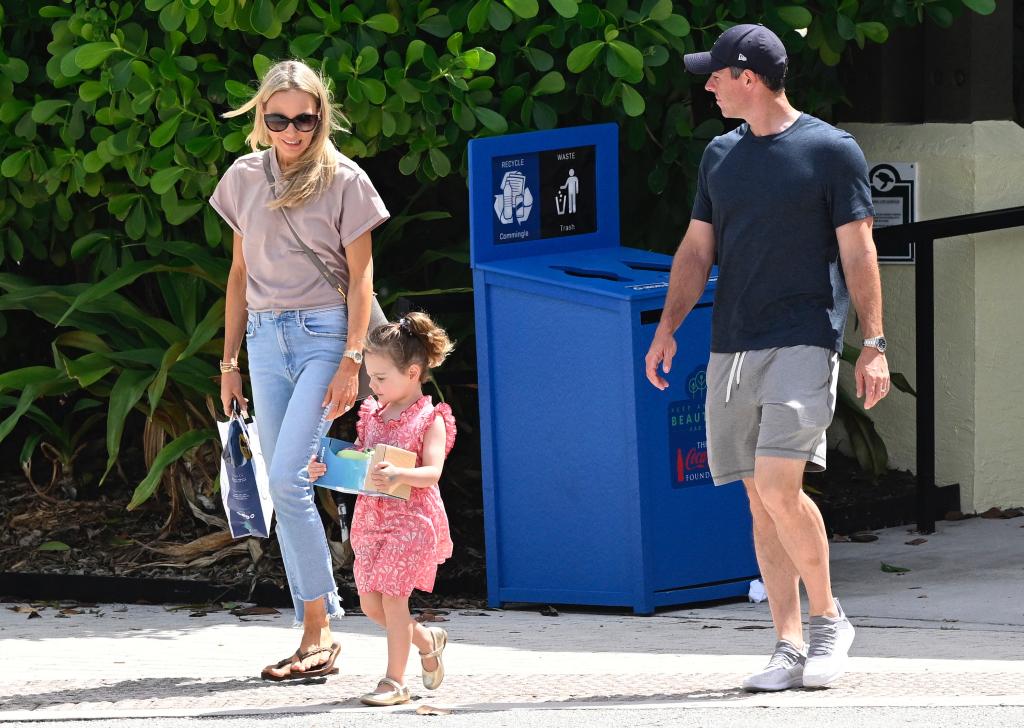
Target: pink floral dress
398,544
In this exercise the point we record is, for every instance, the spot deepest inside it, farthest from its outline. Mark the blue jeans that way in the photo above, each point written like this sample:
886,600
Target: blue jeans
293,355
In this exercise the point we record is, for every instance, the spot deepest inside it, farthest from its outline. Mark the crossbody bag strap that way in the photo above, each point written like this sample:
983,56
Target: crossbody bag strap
328,275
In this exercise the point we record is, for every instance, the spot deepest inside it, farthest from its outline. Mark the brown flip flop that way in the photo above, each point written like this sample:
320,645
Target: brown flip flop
327,668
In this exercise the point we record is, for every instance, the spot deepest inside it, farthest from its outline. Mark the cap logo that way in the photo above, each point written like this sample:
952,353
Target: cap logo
741,57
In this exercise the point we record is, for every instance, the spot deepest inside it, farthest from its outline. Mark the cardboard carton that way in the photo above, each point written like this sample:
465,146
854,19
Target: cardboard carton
349,471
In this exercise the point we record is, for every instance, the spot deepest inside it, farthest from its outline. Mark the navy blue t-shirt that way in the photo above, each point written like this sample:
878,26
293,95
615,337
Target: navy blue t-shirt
775,203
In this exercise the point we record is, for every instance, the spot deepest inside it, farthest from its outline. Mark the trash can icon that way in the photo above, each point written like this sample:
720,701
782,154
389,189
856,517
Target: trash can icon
596,487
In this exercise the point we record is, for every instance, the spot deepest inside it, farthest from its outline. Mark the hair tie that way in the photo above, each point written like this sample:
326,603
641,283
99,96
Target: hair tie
405,325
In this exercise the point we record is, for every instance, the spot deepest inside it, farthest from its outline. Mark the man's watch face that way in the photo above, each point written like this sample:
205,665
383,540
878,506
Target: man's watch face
880,344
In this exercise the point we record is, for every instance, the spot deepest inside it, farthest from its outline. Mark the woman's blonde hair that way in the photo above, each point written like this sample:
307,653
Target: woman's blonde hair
413,339
313,171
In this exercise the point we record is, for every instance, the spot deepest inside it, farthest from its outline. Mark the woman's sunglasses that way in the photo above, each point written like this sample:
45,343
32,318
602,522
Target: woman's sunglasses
302,122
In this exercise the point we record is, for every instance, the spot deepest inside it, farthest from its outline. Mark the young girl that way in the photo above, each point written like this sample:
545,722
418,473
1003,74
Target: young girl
398,544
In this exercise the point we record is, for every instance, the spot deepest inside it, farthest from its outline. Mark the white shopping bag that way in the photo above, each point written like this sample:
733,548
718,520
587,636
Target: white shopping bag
244,485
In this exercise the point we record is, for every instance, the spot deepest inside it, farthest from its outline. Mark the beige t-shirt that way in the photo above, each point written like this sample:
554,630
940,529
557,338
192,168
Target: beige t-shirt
280,275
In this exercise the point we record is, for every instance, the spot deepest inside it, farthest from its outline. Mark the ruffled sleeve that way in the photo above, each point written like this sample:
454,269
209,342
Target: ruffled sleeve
444,411
366,410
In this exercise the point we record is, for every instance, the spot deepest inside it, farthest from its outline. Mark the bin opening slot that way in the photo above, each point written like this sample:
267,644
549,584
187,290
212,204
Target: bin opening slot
585,273
650,317
655,267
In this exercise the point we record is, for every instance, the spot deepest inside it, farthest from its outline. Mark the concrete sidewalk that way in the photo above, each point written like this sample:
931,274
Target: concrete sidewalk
948,633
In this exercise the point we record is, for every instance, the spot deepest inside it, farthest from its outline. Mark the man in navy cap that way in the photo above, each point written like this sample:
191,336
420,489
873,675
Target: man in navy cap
784,205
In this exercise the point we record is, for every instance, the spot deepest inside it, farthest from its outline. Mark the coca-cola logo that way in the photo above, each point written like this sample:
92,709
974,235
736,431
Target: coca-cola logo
694,461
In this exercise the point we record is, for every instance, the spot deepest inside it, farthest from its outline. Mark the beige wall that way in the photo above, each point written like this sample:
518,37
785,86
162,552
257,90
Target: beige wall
979,311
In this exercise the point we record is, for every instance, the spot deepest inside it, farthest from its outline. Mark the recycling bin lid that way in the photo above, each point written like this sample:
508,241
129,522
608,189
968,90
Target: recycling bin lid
623,273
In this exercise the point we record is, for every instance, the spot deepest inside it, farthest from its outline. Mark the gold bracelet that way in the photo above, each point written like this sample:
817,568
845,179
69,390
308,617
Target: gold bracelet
229,366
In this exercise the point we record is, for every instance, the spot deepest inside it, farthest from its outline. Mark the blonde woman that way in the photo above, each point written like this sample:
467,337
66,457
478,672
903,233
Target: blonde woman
304,321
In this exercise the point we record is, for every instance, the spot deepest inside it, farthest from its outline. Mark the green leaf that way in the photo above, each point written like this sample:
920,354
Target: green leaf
126,393
478,16
91,90
53,546
582,56
165,179
172,16
541,60
876,32
523,8
28,396
677,25
303,46
437,25
981,7
20,378
845,27
204,330
261,64
263,16
795,16
91,55
156,388
890,569
633,57
86,243
661,10
439,162
566,8
43,111
166,131
499,17
550,83
942,16
14,163
171,452
384,22
491,119
123,276
632,102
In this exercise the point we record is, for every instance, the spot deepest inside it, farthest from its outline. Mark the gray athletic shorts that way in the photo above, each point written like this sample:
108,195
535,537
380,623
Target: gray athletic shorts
769,402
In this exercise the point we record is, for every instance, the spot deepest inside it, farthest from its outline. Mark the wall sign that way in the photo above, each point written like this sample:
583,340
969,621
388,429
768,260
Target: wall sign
894,195
545,194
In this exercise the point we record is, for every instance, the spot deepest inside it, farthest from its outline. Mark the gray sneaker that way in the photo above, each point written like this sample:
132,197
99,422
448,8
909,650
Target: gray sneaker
828,649
784,671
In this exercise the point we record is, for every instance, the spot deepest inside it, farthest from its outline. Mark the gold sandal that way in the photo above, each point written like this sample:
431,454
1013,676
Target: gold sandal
399,695
432,678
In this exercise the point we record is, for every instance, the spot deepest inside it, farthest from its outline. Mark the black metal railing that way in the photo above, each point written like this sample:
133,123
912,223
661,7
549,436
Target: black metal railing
923,235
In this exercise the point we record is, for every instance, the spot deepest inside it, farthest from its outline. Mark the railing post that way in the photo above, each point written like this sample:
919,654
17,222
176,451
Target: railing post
924,305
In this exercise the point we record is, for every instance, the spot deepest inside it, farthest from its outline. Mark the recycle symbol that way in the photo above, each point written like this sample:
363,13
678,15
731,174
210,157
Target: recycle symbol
515,201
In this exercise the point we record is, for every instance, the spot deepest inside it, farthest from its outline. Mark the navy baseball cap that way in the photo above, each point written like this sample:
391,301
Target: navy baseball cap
742,46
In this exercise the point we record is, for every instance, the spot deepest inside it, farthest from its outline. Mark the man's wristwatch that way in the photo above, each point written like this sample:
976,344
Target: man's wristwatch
355,355
877,342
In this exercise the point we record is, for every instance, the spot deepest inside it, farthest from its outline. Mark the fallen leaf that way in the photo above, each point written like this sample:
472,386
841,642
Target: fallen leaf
198,614
68,612
35,615
432,710
711,626
840,538
923,596
917,542
53,546
993,512
890,569
474,614
22,609
755,626
863,537
1013,512
430,617
549,611
253,611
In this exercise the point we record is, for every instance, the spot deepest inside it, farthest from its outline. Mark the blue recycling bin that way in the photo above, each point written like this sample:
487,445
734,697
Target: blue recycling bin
595,483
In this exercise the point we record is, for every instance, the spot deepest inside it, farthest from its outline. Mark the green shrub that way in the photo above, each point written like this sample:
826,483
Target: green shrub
111,143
